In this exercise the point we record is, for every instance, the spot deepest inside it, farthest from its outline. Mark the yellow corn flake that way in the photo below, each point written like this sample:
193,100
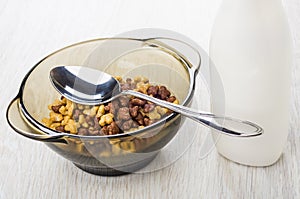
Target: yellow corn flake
106,119
80,106
79,147
81,119
114,141
140,79
50,107
70,110
56,117
118,78
137,79
62,109
161,110
64,100
47,122
144,79
101,111
77,125
142,87
69,103
105,154
65,120
109,118
85,125
71,126
54,125
57,102
94,110
87,111
91,112
115,149
141,127
154,115
127,146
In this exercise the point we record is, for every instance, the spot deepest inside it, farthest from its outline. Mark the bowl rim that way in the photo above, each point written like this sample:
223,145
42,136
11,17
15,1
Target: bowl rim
191,70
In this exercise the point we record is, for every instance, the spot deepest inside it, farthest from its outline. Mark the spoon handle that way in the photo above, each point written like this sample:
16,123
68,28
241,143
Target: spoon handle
225,125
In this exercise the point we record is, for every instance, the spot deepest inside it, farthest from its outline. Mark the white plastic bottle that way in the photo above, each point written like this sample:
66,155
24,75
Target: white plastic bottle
252,51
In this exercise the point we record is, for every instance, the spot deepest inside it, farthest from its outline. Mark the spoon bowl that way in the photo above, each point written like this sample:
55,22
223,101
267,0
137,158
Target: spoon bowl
91,87
84,86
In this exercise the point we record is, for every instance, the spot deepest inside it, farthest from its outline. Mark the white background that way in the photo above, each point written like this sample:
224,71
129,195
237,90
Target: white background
31,29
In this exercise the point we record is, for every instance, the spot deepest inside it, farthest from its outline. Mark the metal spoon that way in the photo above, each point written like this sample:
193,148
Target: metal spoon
88,86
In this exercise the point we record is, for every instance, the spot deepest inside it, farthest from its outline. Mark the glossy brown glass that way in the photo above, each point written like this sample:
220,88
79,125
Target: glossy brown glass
163,60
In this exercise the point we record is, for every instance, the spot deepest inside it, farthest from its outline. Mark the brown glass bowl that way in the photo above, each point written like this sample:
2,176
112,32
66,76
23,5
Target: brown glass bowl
163,60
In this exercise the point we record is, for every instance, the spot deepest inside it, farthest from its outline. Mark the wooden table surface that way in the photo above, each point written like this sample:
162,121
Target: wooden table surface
31,29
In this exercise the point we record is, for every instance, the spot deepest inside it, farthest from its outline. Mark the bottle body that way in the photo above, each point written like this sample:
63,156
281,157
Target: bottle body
252,52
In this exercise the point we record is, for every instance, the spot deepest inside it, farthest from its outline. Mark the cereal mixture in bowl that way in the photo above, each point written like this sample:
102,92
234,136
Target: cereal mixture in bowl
122,115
